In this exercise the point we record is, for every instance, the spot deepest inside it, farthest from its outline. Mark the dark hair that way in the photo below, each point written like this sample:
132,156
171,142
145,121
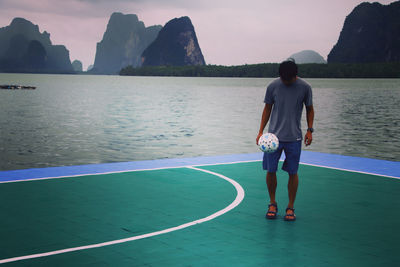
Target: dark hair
287,70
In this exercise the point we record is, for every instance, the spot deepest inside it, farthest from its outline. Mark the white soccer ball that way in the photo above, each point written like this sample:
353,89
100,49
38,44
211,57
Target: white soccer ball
268,142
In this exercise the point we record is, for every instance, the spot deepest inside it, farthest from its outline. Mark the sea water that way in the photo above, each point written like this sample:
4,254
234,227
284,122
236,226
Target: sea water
84,119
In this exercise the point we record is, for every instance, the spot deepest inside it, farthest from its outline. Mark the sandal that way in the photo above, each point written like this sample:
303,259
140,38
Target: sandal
289,217
274,213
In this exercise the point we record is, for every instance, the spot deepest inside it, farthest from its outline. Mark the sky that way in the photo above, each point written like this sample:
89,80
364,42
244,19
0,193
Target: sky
230,32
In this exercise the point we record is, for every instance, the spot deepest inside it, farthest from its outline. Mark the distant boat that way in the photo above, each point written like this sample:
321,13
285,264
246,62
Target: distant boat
15,87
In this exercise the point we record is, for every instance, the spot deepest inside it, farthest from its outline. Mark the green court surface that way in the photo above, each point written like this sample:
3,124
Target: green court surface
343,219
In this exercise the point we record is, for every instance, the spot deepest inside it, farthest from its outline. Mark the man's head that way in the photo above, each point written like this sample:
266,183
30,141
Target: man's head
288,72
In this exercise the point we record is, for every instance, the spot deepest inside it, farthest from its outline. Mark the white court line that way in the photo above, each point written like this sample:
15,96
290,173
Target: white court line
238,199
303,163
112,172
183,166
340,169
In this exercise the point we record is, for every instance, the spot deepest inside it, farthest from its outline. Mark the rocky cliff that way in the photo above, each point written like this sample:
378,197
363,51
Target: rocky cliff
176,45
24,49
123,43
371,33
77,65
308,56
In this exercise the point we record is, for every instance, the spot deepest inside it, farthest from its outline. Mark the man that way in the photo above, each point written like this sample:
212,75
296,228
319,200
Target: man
284,100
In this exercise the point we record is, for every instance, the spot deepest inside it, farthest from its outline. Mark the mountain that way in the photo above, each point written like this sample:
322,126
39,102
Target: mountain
77,66
308,56
24,49
123,43
176,45
371,33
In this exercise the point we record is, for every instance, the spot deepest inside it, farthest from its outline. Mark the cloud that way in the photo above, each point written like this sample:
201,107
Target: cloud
230,32
157,3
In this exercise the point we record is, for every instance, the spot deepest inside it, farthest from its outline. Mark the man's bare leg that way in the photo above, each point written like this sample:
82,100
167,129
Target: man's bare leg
271,184
292,190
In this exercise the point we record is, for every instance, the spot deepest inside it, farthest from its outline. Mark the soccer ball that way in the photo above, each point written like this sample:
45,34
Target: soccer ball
268,142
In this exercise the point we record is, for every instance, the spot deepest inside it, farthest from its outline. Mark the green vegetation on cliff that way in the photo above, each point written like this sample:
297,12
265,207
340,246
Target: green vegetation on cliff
23,48
371,33
176,44
123,43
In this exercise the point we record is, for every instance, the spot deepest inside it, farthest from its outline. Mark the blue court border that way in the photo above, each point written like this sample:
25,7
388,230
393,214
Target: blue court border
373,166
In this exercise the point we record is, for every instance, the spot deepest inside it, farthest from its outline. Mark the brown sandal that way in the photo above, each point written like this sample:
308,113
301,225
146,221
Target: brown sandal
287,216
274,213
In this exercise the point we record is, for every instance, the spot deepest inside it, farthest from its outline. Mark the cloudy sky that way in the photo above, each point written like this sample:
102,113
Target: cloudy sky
230,32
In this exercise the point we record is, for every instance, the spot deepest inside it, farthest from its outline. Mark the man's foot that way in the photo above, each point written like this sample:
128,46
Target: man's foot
290,216
272,211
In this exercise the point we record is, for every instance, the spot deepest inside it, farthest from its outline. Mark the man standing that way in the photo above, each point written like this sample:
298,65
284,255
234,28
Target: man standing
284,100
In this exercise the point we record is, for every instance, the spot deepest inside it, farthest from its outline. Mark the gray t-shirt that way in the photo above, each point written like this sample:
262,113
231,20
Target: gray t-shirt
287,108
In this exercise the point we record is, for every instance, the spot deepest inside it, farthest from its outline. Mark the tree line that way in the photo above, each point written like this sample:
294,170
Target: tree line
269,70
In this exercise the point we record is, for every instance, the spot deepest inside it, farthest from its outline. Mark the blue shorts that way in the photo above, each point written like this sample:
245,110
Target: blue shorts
292,157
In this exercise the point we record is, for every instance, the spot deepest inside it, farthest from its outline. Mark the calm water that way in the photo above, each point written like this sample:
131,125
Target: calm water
73,120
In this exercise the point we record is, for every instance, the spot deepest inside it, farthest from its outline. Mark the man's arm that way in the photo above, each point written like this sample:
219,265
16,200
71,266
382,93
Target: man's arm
310,121
264,120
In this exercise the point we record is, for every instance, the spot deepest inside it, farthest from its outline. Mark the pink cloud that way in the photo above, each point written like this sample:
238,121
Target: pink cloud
230,32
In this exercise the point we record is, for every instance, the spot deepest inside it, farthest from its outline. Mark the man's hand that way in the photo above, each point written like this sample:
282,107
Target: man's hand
310,120
258,137
308,138
264,119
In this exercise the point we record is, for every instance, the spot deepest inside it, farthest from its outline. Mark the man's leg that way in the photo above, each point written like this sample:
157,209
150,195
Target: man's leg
291,165
292,188
271,184
270,164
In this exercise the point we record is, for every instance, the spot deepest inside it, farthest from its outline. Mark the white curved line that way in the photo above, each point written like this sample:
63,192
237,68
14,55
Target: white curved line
238,199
